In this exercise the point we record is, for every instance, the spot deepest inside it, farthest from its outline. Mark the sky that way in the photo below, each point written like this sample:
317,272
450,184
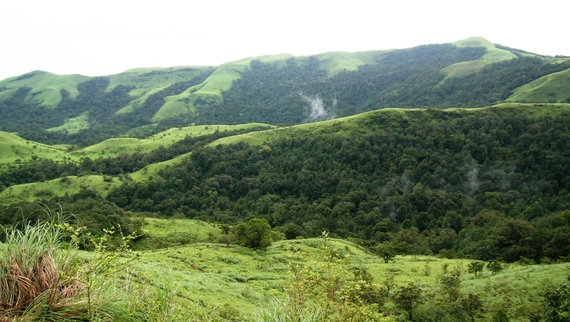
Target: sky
103,37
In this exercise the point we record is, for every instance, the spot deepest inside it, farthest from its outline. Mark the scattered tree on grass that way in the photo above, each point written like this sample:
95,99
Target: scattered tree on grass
495,267
386,251
408,298
450,287
256,233
472,305
476,268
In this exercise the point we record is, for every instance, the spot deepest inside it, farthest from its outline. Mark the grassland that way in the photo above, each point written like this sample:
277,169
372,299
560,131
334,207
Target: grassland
211,89
550,88
492,55
220,275
45,87
73,125
58,187
14,149
336,62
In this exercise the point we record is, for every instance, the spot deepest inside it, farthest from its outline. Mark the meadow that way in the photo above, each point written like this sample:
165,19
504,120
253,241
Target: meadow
187,256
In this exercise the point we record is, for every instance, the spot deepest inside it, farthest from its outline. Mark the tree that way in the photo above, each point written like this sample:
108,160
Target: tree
386,251
256,233
472,305
476,268
450,286
494,267
408,298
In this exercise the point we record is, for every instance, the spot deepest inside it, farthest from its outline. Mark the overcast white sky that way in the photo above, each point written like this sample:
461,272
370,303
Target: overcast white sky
106,37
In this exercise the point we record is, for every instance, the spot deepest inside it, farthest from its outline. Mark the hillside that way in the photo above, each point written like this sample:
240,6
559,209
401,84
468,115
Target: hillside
282,89
427,180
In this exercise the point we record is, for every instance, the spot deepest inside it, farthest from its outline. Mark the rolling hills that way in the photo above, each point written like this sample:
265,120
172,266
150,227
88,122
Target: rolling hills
280,89
443,155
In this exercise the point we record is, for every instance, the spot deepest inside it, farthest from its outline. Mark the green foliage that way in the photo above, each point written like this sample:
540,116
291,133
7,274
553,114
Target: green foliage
256,233
494,266
450,287
557,303
385,251
275,90
472,305
476,268
322,290
408,298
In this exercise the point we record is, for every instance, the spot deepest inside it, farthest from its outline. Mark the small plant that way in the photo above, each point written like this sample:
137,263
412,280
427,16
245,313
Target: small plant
388,284
445,267
427,269
457,270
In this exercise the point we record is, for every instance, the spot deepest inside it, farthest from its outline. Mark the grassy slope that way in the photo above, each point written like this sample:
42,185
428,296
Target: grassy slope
550,88
350,126
13,148
335,62
57,187
116,146
147,81
211,89
249,280
492,55
73,125
45,87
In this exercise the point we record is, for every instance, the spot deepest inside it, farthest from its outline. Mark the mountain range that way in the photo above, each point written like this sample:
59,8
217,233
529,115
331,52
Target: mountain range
278,90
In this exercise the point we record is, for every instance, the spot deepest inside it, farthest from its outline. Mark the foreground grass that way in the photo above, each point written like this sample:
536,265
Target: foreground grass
197,278
245,281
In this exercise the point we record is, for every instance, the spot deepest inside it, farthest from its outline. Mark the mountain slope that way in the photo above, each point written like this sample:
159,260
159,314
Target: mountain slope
280,89
551,88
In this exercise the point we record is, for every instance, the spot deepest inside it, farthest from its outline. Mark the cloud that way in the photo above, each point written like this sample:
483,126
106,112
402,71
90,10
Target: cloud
318,111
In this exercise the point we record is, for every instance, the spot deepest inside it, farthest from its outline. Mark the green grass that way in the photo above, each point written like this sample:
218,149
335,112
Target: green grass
73,125
116,146
150,170
465,68
45,87
211,89
14,149
492,55
550,88
151,78
335,62
140,95
57,187
247,280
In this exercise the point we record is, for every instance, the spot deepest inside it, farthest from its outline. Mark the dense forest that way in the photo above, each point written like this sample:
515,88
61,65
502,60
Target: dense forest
273,94
487,184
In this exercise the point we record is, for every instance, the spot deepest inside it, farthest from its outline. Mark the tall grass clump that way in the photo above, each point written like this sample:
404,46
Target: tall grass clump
45,277
36,275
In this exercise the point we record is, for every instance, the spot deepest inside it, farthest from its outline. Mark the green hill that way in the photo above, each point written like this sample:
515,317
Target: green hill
46,87
553,88
280,89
